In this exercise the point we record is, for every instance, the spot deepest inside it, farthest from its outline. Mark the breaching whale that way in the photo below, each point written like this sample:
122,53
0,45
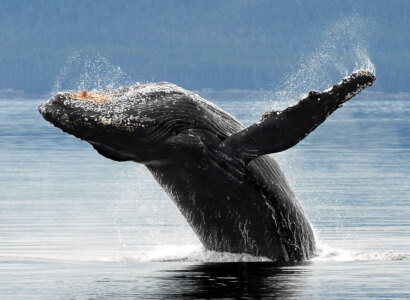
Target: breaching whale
233,195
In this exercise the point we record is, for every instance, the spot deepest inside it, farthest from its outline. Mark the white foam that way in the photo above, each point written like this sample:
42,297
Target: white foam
198,254
188,253
325,252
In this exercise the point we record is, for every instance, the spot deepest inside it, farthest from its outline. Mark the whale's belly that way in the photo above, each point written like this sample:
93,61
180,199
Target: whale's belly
255,212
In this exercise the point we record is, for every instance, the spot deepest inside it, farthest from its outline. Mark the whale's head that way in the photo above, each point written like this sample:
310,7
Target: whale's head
130,123
116,127
119,124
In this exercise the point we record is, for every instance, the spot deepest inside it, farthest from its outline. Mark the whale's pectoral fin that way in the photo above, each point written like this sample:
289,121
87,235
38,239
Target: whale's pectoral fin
278,131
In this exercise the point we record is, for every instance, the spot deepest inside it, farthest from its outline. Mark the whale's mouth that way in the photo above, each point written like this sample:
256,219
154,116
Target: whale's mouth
91,117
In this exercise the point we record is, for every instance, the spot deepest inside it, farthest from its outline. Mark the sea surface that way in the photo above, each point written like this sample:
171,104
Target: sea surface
74,225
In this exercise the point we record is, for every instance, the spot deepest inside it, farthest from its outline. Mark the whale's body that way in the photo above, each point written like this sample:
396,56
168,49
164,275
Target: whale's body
215,170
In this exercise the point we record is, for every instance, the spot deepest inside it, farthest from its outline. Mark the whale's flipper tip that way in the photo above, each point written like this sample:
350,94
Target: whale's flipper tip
353,84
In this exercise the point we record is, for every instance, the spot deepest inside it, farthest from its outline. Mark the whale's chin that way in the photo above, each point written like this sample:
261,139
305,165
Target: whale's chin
60,119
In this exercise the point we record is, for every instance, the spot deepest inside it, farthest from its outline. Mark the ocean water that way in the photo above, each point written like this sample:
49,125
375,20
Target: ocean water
74,225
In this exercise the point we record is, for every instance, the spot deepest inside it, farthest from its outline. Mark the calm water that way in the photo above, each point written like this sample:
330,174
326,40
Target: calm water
74,225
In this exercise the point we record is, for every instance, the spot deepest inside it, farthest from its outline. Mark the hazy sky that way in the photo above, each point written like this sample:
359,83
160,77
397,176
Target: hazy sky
201,44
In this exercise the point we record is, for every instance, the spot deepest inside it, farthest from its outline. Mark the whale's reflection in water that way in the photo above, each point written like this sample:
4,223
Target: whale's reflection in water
214,280
69,279
234,280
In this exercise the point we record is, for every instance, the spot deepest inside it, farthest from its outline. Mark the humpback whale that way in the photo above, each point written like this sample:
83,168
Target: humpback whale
217,172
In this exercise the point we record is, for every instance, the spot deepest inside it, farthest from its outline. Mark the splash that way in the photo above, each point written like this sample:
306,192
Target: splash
196,253
89,72
325,252
341,49
190,253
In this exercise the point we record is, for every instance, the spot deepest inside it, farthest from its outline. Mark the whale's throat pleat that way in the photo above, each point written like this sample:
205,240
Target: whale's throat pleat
110,154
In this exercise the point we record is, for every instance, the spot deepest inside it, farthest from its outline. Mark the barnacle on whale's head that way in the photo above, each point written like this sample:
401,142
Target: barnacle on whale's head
86,96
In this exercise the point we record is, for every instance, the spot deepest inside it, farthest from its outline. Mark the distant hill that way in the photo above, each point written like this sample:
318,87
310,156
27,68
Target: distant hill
196,44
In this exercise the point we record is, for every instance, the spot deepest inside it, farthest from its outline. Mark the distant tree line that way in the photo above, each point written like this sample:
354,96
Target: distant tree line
196,44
